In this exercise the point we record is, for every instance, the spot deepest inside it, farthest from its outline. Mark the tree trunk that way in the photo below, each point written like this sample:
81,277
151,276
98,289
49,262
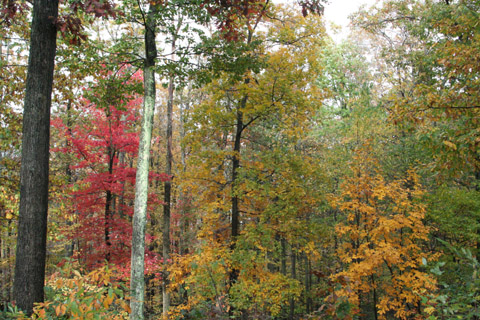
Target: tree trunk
137,283
283,258
294,276
235,224
477,188
69,248
108,217
32,223
184,219
308,285
168,184
375,308
167,197
109,206
235,166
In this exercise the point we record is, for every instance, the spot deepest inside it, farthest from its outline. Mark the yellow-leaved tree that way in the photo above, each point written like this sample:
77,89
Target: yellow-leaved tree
251,176
382,259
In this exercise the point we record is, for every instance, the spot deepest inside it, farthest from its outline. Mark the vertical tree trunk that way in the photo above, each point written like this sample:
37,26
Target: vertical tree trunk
477,188
235,166
32,223
294,276
108,206
108,243
137,283
167,196
308,285
181,193
375,309
184,222
69,248
121,198
283,258
168,184
235,224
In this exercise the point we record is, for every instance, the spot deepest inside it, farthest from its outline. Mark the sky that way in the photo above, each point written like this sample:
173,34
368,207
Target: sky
337,11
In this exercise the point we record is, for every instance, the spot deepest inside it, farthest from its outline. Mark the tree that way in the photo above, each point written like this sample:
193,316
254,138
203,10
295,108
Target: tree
381,253
103,140
141,185
32,223
253,115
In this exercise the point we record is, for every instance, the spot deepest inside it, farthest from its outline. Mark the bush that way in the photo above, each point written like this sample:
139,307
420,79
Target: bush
69,294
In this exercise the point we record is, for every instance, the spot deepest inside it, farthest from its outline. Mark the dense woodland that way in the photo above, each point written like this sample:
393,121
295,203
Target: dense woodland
227,159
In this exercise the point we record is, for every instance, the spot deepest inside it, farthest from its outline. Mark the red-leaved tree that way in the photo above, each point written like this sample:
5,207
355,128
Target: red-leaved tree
104,142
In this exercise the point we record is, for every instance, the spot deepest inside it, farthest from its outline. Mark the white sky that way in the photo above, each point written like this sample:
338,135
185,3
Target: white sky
337,11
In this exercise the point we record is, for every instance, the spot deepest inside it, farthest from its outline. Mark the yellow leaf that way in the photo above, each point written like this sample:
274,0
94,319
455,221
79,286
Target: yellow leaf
429,310
126,307
450,144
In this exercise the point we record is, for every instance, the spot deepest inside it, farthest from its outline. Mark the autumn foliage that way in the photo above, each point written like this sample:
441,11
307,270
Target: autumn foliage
310,177
381,252
102,144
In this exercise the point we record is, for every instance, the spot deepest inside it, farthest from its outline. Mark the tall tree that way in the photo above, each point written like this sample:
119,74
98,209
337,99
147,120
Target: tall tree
168,183
137,282
32,224
251,121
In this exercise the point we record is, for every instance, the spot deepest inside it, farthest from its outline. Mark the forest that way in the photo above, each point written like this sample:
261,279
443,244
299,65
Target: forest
230,159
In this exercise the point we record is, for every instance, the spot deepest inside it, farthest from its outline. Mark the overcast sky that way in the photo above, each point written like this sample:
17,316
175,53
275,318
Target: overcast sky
337,11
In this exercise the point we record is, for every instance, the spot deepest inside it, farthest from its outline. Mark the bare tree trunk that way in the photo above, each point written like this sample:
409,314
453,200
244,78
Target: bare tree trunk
294,276
477,188
32,223
167,198
168,183
375,309
283,258
137,282
308,285
69,248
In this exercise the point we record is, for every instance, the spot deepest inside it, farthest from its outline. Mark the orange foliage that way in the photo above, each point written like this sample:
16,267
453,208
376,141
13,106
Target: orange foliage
381,253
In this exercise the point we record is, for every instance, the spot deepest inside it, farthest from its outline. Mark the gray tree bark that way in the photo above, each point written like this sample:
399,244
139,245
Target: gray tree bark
167,197
137,283
32,223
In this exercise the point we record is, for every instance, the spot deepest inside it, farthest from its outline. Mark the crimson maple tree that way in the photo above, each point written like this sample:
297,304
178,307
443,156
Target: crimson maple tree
104,142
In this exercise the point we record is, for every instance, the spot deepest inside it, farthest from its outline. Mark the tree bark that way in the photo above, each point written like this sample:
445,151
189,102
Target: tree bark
308,285
167,197
294,276
137,283
375,308
283,257
168,184
32,223
477,188
108,206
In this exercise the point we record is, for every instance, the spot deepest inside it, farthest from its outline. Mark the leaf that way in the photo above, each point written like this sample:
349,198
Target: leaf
57,310
449,144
